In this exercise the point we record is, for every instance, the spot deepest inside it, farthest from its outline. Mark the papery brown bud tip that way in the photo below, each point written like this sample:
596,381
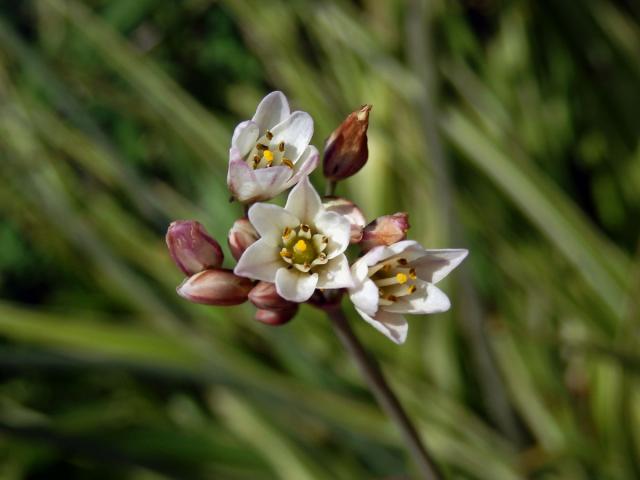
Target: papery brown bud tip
385,230
192,248
216,287
346,150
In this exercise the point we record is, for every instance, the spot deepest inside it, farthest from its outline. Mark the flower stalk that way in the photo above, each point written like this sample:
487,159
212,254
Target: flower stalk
383,394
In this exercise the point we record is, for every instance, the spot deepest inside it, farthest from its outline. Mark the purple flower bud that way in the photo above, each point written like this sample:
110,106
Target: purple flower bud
241,235
385,230
350,211
346,150
192,248
216,287
264,296
276,317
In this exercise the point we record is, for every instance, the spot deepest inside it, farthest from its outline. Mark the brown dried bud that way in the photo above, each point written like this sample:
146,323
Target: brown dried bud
346,150
276,317
241,235
265,296
385,230
350,211
215,287
192,248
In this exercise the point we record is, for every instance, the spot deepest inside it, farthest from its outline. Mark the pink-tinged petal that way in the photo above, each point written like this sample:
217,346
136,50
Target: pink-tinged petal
365,297
303,201
426,299
337,228
270,221
241,178
391,325
295,286
306,164
272,181
245,137
260,261
215,287
272,110
350,211
335,274
241,235
434,265
296,132
385,230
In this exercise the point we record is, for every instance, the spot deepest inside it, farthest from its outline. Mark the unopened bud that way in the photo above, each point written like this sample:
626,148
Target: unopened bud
346,150
264,296
241,235
350,211
216,287
192,248
276,317
385,230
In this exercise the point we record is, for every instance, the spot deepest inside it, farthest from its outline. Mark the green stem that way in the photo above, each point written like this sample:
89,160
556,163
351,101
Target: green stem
383,394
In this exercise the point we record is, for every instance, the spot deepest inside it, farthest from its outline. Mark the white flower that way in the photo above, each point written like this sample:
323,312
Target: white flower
270,153
390,281
300,247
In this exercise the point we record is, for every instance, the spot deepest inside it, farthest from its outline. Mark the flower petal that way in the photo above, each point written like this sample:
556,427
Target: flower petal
260,261
245,137
337,228
241,178
296,132
306,164
434,265
336,274
391,325
270,221
365,297
272,181
295,286
272,110
303,201
382,253
426,299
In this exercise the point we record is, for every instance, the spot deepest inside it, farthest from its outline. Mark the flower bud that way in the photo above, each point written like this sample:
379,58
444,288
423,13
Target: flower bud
346,150
241,235
215,287
264,296
350,211
276,317
385,230
192,248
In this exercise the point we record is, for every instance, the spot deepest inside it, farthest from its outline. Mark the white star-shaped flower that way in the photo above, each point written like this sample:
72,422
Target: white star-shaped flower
301,246
390,281
270,153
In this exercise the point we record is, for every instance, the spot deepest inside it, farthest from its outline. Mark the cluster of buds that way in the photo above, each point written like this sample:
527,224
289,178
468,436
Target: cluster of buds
298,253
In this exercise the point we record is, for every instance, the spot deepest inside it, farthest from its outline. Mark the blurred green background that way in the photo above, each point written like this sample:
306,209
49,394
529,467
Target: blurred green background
507,127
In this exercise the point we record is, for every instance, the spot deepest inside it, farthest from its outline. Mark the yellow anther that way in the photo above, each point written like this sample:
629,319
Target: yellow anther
287,162
269,135
412,274
268,155
411,289
300,246
403,261
285,253
281,146
401,278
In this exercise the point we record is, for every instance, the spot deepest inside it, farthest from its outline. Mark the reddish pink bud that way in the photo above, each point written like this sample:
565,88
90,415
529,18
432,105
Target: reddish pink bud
276,317
241,235
350,211
265,296
192,248
346,150
216,287
385,230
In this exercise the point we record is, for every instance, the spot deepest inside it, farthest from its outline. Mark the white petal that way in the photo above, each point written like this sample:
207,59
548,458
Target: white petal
335,274
360,270
306,164
382,253
260,261
391,325
295,286
296,132
241,178
337,228
365,297
434,265
304,202
272,181
271,111
426,299
270,221
245,137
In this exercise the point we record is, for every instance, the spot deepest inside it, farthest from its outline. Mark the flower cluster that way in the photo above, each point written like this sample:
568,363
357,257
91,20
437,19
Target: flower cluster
297,253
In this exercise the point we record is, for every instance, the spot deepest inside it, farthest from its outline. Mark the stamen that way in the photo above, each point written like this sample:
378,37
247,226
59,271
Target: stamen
262,146
411,289
269,135
304,231
288,163
285,253
400,278
412,274
402,261
288,235
280,146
